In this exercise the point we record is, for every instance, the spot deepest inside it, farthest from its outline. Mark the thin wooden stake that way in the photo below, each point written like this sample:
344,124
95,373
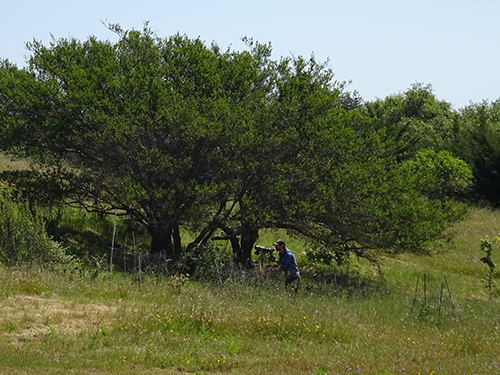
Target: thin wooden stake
140,275
112,247
218,272
425,288
125,255
135,253
449,293
440,300
163,263
416,290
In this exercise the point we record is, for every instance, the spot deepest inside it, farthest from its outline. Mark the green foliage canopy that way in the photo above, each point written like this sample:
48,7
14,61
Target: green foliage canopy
478,143
416,119
176,133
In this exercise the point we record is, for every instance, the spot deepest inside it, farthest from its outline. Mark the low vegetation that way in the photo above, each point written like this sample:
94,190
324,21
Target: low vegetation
245,323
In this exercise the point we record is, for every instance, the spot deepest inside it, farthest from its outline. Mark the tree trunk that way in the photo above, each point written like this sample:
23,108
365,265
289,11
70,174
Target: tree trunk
177,241
248,237
235,244
161,240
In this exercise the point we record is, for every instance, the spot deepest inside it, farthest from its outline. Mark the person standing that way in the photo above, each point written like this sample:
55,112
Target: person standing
288,265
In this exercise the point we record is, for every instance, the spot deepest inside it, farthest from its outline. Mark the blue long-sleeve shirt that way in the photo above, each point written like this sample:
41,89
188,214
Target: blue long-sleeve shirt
289,264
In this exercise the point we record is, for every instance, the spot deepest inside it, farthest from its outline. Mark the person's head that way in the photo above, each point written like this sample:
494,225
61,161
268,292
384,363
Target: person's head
280,246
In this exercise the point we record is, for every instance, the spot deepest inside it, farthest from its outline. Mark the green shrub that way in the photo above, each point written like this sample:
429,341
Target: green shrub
23,238
208,262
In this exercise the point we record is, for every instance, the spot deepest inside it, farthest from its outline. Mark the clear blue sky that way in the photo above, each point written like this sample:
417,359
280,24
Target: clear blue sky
383,46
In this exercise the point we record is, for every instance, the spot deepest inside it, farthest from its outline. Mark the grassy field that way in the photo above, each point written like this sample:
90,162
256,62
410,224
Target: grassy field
350,321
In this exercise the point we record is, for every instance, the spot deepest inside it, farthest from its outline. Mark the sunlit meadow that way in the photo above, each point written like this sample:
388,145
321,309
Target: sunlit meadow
58,323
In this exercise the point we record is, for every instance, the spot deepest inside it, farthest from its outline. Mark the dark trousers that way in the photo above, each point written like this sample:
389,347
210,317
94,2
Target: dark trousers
292,283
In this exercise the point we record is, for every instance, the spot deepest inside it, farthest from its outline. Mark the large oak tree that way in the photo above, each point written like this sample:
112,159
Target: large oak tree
174,132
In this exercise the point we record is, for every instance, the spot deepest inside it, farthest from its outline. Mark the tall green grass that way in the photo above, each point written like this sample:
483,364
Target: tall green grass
246,323
119,326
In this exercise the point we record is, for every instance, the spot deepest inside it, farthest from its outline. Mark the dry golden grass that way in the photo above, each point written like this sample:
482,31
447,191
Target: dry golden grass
40,315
